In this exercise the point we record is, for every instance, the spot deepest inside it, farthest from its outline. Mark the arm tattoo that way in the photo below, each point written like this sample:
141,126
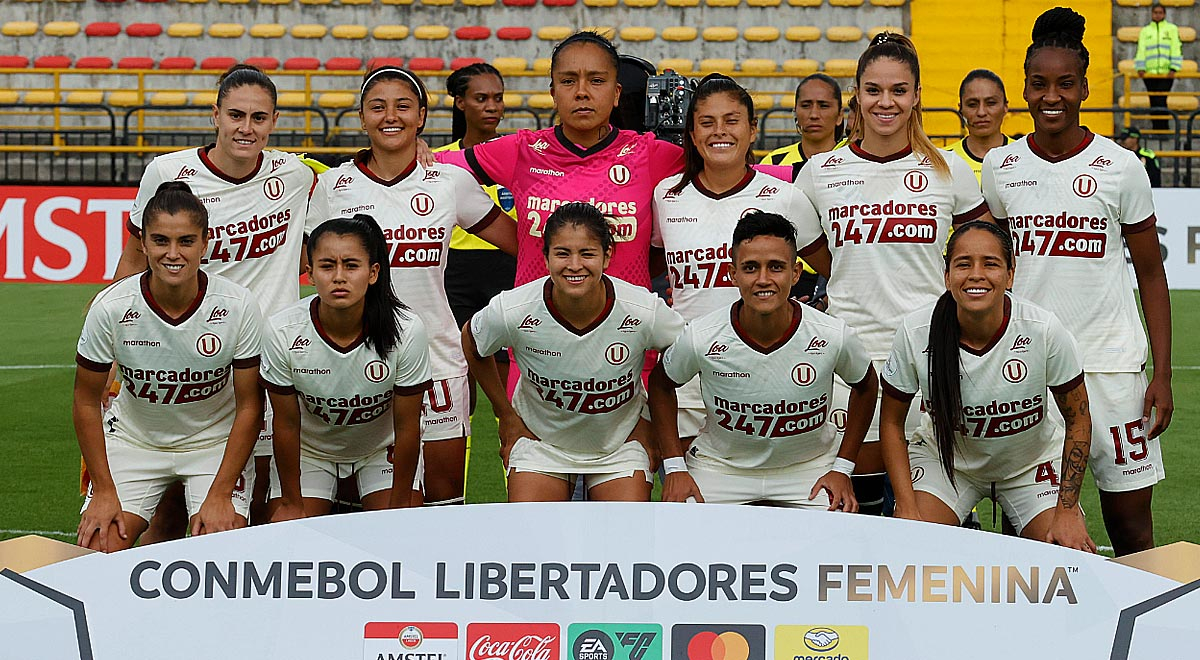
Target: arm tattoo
1077,444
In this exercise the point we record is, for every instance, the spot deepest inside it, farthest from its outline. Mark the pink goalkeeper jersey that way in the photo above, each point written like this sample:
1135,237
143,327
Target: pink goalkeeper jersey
544,170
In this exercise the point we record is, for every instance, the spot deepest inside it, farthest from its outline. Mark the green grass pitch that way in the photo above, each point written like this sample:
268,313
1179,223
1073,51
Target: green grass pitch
40,476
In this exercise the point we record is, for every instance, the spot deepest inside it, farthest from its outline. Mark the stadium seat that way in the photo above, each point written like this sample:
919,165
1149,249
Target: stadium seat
845,3
101,29
9,96
355,2
349,32
841,68
876,31
757,66
541,66
1126,68
207,97
133,63
437,3
472,33
88,96
513,100
519,3
843,33
1189,66
376,62
1187,34
762,102
52,62
427,64
1129,34
761,33
315,2
226,30
637,33
514,33
1183,103
267,31
1133,3
763,3
14,62
1134,101
722,3
641,3
301,64
1177,3
19,29
336,100
720,34
344,64
291,99
396,2
194,2
540,101
185,30
554,32
507,65
559,3
716,65
94,62
888,3
679,33
309,31
234,2
274,2
143,29
479,3
72,28
677,64
605,31
168,98
390,32
802,33
263,62
460,62
431,32
124,98
801,67
218,63
181,63
804,3
600,3
38,96
683,3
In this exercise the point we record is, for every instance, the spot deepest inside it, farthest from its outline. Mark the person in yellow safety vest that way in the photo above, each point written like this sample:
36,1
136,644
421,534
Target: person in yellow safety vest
1130,138
1159,56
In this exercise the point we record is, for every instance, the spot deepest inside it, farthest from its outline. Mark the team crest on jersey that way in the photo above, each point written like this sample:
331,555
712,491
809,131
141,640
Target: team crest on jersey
422,204
540,146
431,175
529,324
630,324
217,315
376,371
767,192
1100,163
1009,161
273,188
716,350
278,163
618,174
804,374
816,345
208,344
1015,371
343,182
1084,185
838,417
185,172
616,353
916,181
1021,344
129,317
833,161
299,344
626,150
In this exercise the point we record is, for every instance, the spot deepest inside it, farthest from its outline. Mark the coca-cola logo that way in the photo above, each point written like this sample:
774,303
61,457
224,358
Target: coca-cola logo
512,641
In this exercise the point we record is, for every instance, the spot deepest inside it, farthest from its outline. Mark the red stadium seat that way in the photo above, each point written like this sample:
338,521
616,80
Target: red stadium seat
143,29
134,63
343,64
217,63
13,61
110,0
264,63
94,63
152,0
52,62
301,64
472,32
520,3
177,63
460,62
376,62
427,64
514,33
559,3
102,29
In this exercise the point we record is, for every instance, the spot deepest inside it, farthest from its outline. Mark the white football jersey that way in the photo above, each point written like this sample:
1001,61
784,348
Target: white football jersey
695,227
1004,386
766,405
345,393
177,374
416,211
580,389
255,224
1068,216
886,221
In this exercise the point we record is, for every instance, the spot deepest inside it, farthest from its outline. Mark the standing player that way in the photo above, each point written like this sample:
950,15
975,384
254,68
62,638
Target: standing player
417,207
581,337
766,367
886,204
982,104
697,209
983,360
1074,202
256,200
187,347
358,360
818,119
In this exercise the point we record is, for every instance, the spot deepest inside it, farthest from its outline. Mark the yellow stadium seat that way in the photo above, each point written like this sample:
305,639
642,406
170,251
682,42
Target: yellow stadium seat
804,3
541,65
763,101
508,65
309,31
716,65
185,30
788,101
513,100
884,28
355,2
71,28
349,32
194,2
168,98
19,29
390,32
396,2
761,33
9,96
292,99
1133,3
40,96
1187,34
845,3
541,101
607,32
841,68
234,2
802,33
206,98
679,33
274,2
81,96
888,3
801,67
764,3
637,33
479,3
1134,101
315,2
554,32
1126,67
267,31
1177,3
124,98
677,64
756,66
432,32
437,3
226,30
336,100
1183,103
1129,34
683,3
722,3
600,3
844,33
720,34
641,3
1189,66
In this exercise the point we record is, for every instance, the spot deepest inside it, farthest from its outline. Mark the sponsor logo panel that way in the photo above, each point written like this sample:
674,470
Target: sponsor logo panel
513,641
614,641
821,642
386,640
691,641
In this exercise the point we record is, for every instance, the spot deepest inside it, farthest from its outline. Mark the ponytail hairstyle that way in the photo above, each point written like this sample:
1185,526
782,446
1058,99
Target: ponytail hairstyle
378,75
839,129
1059,28
897,47
710,85
381,321
173,198
944,399
456,86
243,75
587,37
578,214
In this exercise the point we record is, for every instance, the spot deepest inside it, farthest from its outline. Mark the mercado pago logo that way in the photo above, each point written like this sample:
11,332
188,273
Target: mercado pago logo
691,641
820,642
513,641
391,640
614,641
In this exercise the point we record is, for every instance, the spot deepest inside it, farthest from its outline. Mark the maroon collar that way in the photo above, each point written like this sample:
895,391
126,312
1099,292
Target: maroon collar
739,187
364,156
609,300
316,321
856,147
162,313
1088,137
996,337
203,153
797,315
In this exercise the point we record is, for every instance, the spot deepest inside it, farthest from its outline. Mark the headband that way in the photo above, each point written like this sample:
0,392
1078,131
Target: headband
395,69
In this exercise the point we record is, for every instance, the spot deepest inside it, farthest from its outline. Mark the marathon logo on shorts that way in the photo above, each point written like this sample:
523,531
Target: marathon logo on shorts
1009,161
1001,419
410,641
130,316
217,315
343,182
512,641
185,172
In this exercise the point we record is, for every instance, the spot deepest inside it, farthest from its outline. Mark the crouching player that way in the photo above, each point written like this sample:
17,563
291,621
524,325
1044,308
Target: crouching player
188,348
766,369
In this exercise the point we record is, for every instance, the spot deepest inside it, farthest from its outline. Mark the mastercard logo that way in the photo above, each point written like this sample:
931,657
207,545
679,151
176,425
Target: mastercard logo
725,646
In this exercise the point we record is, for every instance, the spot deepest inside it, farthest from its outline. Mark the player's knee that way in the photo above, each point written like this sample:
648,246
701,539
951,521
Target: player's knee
871,492
1129,536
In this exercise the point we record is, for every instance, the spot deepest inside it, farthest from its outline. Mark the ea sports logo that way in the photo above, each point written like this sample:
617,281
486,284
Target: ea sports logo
1084,185
592,645
375,371
1015,371
422,204
208,344
616,353
916,181
804,374
273,188
411,637
821,639
618,174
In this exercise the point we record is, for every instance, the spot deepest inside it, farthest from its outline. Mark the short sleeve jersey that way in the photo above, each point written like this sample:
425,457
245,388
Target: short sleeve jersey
346,392
1003,386
545,170
1068,216
501,196
695,227
580,389
177,372
976,162
886,221
766,405
255,224
416,211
